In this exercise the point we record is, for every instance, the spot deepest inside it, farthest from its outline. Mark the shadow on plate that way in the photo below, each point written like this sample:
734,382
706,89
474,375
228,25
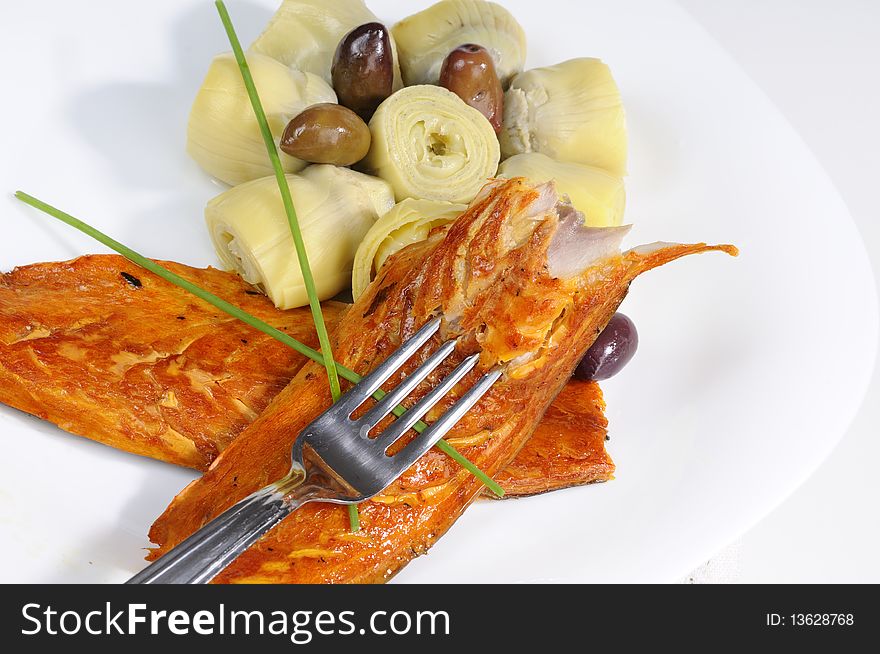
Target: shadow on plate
140,130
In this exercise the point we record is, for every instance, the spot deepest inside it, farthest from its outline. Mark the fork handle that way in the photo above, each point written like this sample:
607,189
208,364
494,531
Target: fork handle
202,556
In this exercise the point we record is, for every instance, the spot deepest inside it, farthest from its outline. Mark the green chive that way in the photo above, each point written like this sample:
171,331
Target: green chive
354,518
290,210
245,317
299,244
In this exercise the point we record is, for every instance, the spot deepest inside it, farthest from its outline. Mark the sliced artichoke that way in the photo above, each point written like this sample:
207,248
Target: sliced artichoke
335,207
408,222
223,135
428,144
570,112
425,39
304,34
599,195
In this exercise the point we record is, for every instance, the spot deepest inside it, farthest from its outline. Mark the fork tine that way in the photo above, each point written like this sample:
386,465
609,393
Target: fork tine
372,417
405,422
373,381
428,438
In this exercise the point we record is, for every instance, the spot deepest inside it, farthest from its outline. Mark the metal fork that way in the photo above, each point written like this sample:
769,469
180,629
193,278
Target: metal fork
353,466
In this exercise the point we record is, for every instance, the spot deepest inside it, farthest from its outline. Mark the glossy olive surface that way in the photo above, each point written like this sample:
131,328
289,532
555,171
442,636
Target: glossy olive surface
327,133
615,347
469,72
363,69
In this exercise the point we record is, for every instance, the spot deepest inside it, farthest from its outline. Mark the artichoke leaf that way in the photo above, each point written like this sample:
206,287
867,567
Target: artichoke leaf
224,137
428,144
426,38
335,207
571,112
599,195
409,221
304,34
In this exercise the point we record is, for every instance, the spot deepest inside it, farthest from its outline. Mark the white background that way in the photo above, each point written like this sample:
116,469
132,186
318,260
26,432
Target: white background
819,62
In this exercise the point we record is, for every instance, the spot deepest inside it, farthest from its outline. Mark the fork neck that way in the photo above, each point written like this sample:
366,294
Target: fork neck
305,483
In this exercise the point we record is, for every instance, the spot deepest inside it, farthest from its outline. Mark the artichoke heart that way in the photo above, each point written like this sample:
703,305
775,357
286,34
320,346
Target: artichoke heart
427,143
304,34
425,39
335,207
599,195
223,135
408,222
570,112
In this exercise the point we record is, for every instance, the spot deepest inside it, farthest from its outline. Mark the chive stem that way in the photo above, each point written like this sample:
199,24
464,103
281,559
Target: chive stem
290,210
245,317
287,200
354,518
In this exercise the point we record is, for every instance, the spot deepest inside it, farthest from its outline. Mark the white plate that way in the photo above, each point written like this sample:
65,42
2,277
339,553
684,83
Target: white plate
749,370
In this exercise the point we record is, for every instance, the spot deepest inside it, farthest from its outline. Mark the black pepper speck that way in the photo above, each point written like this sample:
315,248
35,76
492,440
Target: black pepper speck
133,281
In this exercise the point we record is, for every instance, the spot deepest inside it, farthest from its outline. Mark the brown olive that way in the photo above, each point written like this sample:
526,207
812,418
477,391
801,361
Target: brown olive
469,72
363,69
327,133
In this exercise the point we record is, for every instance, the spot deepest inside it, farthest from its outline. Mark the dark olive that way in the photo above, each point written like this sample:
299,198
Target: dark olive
469,72
363,69
328,134
613,349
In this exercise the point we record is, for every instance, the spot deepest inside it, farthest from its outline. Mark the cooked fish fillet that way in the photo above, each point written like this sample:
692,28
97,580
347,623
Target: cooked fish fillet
566,449
518,279
113,353
109,351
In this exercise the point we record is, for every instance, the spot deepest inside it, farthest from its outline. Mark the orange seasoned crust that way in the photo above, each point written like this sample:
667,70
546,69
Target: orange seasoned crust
566,449
488,275
152,370
109,351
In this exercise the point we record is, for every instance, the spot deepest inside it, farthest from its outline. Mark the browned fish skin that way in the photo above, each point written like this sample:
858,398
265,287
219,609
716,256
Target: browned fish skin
566,449
488,275
109,351
70,375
